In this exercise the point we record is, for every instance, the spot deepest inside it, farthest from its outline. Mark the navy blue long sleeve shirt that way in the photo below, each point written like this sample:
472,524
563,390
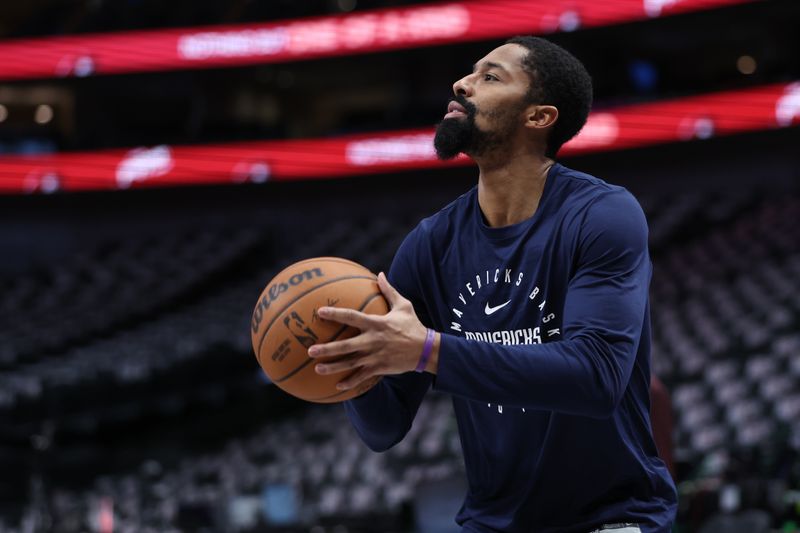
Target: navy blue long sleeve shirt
545,350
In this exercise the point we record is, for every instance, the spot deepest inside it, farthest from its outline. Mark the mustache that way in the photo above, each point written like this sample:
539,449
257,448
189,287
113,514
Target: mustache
466,104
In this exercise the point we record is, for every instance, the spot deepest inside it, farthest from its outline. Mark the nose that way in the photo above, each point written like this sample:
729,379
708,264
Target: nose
463,87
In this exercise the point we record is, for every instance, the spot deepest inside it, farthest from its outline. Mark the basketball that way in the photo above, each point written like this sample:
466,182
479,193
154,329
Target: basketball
285,323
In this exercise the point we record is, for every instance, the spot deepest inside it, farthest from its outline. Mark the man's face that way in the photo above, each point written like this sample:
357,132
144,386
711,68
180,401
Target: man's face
488,105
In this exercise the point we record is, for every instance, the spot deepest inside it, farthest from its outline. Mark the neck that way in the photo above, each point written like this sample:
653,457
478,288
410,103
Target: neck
509,191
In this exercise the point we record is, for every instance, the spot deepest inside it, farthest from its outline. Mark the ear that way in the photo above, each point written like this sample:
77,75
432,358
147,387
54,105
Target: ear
541,116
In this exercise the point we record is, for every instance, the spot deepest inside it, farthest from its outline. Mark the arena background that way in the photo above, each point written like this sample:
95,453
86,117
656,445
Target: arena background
161,161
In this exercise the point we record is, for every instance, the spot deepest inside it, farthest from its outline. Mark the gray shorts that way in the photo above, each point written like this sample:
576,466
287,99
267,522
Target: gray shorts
618,528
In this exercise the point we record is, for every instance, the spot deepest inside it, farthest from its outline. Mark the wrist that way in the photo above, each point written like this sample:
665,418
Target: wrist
427,351
433,361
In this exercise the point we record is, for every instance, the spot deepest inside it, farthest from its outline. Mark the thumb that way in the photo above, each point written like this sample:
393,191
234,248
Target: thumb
389,292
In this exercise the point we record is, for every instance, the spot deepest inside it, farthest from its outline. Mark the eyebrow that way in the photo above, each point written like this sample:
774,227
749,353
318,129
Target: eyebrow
489,64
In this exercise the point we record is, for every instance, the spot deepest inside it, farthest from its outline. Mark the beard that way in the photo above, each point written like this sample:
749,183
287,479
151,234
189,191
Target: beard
461,134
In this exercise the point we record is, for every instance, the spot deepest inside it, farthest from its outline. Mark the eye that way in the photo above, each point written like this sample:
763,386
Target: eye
489,77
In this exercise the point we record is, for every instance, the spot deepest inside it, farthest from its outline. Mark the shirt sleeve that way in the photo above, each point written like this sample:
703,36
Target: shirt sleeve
587,372
383,415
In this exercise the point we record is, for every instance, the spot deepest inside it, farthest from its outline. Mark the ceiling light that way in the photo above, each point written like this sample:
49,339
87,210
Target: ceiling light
746,65
43,114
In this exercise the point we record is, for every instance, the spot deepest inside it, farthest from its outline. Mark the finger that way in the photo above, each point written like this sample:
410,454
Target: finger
350,317
356,379
332,349
340,365
389,292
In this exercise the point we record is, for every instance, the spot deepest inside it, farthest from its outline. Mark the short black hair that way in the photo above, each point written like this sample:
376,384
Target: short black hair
559,79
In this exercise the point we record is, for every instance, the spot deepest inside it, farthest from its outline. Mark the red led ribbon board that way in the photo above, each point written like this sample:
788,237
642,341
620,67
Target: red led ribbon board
704,116
291,40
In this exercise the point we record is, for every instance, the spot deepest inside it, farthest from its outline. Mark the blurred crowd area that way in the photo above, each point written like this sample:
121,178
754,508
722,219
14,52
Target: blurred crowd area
130,399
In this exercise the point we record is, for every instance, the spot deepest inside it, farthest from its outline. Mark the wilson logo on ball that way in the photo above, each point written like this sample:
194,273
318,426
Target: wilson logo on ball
276,289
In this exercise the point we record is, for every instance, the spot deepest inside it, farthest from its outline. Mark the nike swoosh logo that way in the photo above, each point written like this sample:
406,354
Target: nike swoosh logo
491,310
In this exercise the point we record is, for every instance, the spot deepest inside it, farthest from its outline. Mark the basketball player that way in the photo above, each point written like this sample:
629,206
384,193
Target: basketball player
526,299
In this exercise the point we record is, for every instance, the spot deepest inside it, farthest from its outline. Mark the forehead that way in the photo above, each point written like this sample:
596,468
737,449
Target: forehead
509,57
